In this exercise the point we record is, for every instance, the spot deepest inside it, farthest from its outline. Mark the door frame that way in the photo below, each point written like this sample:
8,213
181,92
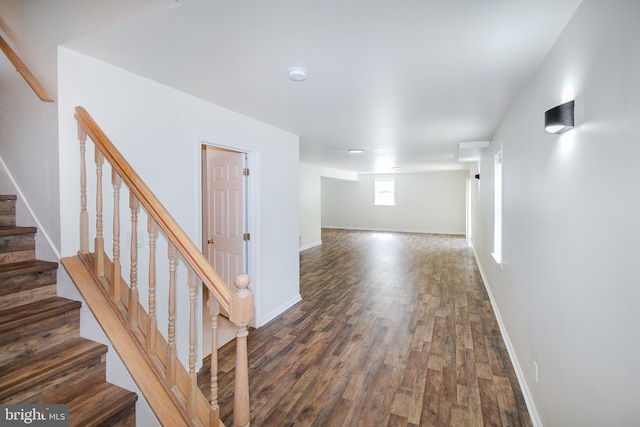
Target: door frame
251,208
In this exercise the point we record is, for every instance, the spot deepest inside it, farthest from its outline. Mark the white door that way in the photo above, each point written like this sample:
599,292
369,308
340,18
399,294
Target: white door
223,225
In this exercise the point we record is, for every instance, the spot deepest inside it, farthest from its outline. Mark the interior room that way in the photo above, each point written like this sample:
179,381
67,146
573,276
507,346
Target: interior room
509,128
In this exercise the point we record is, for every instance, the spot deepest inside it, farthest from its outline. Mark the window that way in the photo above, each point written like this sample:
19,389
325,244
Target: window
497,206
384,192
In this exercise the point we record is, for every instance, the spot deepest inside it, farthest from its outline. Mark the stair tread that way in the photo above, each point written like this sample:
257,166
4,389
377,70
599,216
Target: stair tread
25,267
8,197
38,310
34,368
102,403
14,230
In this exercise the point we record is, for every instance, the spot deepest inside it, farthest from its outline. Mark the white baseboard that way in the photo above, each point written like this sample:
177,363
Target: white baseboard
310,245
526,393
278,311
393,230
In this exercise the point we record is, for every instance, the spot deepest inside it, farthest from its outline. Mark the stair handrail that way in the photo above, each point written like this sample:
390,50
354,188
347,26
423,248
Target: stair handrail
156,210
238,303
24,71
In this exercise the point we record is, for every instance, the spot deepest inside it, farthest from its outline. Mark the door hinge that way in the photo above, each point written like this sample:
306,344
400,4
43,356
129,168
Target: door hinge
246,236
245,171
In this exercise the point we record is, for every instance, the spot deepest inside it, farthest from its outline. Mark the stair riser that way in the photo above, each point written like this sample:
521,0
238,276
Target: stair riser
25,297
17,248
107,405
25,288
60,387
40,334
37,323
7,212
59,384
22,282
7,220
49,336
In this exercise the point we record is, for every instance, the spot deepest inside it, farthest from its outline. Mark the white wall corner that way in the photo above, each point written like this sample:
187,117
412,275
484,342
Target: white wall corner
263,320
310,245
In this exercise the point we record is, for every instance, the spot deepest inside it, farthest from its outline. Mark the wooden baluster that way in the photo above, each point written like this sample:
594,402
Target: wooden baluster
193,377
171,342
99,240
84,215
214,309
241,313
116,270
153,320
133,276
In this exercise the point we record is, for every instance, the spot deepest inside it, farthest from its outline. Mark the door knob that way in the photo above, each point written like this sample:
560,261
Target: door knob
210,241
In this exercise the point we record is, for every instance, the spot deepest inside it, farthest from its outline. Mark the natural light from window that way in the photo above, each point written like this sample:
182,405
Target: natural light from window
384,192
497,206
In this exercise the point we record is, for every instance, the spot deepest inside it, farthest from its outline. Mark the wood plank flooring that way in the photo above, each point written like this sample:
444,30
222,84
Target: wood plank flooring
394,329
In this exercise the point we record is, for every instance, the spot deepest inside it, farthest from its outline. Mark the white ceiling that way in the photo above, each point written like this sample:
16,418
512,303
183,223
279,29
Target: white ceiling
406,80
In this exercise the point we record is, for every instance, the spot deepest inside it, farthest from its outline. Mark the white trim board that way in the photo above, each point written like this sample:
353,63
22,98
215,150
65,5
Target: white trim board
310,245
393,230
22,200
524,387
278,311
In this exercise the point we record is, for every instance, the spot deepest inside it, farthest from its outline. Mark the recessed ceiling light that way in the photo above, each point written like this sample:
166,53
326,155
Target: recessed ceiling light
356,150
297,74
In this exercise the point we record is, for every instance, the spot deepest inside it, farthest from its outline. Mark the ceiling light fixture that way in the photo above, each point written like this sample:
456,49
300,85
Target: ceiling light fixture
559,119
356,150
297,74
396,168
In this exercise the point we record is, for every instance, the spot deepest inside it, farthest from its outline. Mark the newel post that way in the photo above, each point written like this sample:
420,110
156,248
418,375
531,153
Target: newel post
240,314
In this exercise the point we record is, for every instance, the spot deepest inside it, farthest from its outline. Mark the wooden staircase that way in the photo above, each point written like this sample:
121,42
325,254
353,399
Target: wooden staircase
43,359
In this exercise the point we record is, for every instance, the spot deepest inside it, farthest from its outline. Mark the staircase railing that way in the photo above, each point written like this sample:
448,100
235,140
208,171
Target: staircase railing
143,322
22,68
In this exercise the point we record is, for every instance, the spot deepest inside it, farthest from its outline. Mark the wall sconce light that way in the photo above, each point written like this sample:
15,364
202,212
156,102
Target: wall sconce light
559,119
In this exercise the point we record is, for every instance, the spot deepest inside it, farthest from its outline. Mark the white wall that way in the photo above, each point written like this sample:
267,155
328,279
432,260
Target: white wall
28,126
568,291
428,202
310,201
310,228
28,145
29,132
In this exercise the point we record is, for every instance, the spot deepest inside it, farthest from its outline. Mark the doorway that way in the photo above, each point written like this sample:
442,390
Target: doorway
224,226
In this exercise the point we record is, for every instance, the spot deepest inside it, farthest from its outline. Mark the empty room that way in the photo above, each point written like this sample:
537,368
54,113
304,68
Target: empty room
365,213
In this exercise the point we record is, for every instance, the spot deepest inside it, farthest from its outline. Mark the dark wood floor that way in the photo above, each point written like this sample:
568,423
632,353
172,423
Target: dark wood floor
394,329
